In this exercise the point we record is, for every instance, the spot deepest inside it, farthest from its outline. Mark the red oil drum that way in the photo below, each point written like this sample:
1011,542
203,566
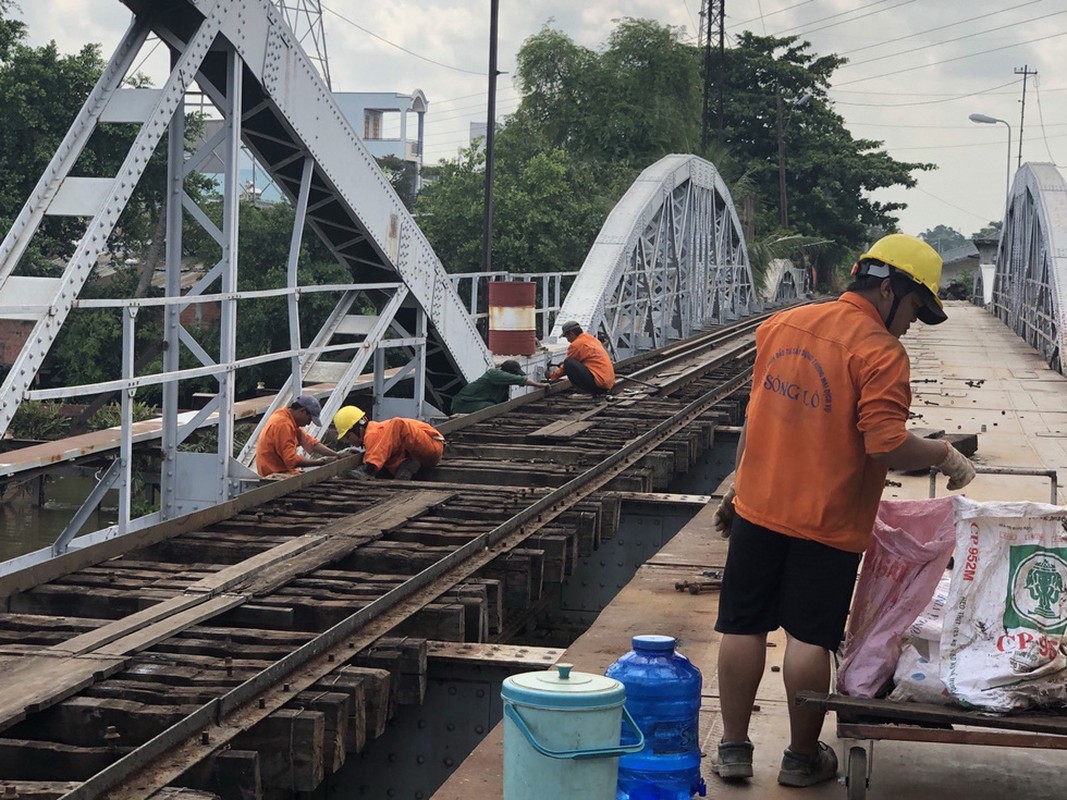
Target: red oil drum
512,319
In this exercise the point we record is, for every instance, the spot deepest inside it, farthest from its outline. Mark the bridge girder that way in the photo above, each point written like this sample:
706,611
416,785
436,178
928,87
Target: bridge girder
1030,281
670,259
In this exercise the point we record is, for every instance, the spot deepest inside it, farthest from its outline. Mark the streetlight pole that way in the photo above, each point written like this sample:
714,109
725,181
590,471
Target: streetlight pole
985,119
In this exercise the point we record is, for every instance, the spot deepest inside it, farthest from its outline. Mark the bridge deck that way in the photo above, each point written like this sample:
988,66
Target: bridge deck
968,373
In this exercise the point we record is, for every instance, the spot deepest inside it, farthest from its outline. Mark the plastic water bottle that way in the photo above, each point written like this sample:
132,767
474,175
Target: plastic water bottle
663,697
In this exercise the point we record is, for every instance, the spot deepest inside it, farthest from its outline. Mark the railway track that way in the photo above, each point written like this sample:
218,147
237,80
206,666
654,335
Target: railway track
247,651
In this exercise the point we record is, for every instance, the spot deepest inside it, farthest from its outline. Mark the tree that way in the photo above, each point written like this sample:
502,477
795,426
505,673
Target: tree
593,120
990,230
943,238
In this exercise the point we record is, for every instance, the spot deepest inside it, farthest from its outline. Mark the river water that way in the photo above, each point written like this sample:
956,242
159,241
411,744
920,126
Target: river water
25,527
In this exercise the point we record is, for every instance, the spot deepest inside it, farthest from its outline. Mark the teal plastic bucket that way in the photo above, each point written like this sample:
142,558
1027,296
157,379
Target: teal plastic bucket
561,735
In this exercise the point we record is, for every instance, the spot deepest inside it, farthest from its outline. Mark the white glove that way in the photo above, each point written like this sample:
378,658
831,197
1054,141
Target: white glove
724,514
957,467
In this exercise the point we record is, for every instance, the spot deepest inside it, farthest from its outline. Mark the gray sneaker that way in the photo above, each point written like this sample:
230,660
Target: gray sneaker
798,770
734,761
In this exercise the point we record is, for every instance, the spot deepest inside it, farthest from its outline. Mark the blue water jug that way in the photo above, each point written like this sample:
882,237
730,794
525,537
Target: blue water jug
663,697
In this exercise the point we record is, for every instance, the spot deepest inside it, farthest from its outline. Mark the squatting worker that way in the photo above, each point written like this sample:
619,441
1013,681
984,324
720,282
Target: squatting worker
399,446
825,421
276,452
491,388
587,365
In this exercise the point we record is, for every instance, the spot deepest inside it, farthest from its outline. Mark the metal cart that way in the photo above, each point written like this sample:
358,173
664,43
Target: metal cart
862,721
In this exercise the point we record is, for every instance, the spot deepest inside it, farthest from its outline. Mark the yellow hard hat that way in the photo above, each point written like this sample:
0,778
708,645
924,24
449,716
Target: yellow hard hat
916,259
346,417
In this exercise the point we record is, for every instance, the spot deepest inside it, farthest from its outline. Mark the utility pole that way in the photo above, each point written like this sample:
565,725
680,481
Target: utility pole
1025,72
705,35
711,10
487,223
722,61
783,209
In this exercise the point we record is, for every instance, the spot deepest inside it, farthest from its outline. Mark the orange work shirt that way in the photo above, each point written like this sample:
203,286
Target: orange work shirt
389,444
276,447
830,387
588,349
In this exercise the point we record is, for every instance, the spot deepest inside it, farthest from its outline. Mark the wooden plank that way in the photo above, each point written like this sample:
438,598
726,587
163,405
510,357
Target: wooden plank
231,773
290,746
37,790
40,682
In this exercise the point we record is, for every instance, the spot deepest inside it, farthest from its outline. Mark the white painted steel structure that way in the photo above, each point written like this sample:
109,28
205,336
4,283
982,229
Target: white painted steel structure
244,57
1030,283
670,259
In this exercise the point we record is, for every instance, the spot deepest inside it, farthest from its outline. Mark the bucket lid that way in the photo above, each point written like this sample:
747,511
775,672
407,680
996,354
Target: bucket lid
650,642
562,688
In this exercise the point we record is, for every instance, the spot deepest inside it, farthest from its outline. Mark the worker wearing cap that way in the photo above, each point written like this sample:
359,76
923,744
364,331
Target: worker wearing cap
276,448
491,388
587,364
398,446
825,421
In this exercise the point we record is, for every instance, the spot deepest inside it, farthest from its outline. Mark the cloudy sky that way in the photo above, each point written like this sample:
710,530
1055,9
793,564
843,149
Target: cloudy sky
917,69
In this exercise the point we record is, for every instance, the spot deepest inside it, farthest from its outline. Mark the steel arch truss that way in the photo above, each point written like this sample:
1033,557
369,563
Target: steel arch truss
245,59
670,259
1030,283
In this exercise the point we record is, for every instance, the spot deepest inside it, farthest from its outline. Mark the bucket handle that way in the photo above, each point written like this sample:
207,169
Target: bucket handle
512,713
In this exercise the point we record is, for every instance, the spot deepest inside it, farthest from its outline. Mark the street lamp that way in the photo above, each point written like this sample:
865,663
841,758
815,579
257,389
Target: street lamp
988,120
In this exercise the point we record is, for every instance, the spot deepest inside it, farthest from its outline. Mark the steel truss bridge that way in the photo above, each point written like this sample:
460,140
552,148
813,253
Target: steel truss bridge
670,260
1030,281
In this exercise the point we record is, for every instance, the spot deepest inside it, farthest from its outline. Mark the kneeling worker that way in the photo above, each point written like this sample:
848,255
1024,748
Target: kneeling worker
276,447
491,388
587,365
399,446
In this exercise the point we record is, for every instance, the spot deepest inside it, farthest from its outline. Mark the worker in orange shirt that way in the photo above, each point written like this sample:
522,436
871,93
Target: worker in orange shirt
399,446
276,452
826,419
587,364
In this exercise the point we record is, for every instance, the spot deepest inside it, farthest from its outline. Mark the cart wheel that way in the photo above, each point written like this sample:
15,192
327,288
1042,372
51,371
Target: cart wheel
856,779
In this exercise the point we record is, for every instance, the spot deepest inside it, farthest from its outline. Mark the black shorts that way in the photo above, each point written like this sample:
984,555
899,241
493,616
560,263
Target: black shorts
776,581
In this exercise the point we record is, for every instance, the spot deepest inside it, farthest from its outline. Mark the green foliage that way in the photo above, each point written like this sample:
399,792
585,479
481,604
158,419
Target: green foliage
263,323
39,420
943,238
590,121
990,230
401,175
110,416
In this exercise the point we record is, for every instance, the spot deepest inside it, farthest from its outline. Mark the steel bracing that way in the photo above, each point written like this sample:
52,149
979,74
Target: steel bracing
244,57
670,259
1030,282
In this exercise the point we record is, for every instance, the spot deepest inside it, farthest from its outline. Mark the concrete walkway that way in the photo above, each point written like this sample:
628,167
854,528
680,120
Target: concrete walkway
968,373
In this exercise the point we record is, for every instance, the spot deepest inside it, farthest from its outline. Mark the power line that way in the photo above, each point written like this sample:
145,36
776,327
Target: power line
956,58
950,41
953,24
846,21
925,102
400,47
1041,121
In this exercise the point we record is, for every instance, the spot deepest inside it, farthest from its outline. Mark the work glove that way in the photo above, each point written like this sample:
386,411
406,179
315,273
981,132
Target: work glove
957,467
724,514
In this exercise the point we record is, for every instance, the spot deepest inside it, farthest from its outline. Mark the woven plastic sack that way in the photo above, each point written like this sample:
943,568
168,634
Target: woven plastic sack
910,547
1002,643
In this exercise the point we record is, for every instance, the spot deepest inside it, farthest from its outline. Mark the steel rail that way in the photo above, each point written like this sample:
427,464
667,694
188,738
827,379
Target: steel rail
162,759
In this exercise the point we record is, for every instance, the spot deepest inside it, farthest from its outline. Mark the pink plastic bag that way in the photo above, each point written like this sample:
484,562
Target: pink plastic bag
910,547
